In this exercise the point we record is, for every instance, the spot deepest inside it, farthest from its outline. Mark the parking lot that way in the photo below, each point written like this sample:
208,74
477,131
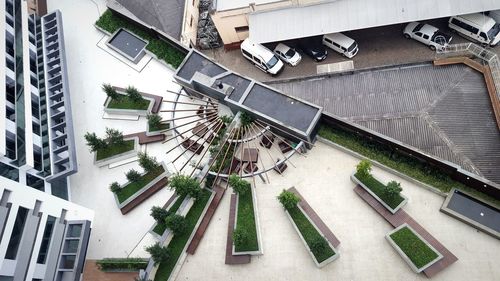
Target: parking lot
379,46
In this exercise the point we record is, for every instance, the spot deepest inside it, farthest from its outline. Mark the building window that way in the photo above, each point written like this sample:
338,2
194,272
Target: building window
191,21
17,233
241,28
47,235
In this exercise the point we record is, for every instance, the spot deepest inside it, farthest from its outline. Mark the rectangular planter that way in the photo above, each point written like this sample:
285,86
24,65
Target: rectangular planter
143,193
257,226
182,211
404,256
133,112
325,262
155,133
118,157
393,211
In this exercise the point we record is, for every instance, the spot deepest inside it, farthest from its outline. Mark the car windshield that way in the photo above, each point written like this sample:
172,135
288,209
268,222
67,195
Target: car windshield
272,62
418,27
290,53
494,31
352,47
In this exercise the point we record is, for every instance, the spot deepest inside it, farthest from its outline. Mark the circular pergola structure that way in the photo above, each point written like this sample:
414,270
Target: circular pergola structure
215,142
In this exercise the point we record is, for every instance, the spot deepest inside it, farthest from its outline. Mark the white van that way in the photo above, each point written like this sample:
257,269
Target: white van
341,44
478,27
261,57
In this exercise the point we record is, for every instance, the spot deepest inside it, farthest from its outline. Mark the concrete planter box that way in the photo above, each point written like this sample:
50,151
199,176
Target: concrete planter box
141,191
133,112
323,263
393,211
118,157
150,133
260,251
139,55
404,256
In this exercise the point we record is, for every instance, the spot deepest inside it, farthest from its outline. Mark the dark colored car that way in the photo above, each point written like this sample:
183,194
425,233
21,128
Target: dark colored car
313,48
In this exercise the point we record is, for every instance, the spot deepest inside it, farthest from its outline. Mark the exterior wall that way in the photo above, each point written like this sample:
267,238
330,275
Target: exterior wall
190,23
40,205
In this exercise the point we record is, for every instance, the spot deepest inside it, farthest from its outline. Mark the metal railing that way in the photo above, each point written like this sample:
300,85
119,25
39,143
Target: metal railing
488,57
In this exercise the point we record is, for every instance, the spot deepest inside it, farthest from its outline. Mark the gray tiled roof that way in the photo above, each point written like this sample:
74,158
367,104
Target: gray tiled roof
165,15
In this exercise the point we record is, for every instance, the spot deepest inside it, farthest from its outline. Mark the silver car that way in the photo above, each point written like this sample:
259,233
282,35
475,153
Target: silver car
287,54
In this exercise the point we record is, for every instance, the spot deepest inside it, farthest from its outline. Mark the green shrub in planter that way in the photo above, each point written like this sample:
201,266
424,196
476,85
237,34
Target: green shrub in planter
392,189
240,236
288,199
245,119
114,137
159,214
239,185
364,168
133,175
110,91
133,94
122,264
319,245
158,253
185,185
148,163
114,187
226,119
176,223
94,142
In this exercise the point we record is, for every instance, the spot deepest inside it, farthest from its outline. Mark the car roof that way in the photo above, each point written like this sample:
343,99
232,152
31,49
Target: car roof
258,49
282,48
479,19
428,29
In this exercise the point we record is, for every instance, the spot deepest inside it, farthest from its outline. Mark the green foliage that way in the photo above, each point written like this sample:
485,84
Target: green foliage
245,119
110,91
318,245
158,253
133,176
132,264
133,94
154,122
288,199
159,214
112,150
185,185
114,137
148,163
419,253
114,187
240,236
380,190
133,187
226,119
176,223
392,189
239,185
94,142
162,49
364,168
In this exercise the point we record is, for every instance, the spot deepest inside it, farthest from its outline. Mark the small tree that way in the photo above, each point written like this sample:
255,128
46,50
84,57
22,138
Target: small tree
158,253
148,163
159,214
176,223
226,119
114,136
114,187
240,236
133,175
392,189
288,199
364,168
239,185
110,91
318,245
245,119
133,94
185,186
154,122
94,142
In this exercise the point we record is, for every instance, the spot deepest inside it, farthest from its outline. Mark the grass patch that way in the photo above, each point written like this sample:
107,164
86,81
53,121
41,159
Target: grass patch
419,253
378,188
131,188
113,150
162,49
124,102
402,163
161,127
122,264
161,227
246,221
178,242
309,233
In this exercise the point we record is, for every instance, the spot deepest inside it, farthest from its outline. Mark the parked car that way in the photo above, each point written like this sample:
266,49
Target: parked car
313,48
287,54
261,57
341,44
427,34
478,27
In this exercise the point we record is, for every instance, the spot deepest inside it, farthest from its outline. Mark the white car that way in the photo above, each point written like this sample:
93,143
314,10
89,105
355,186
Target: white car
287,54
427,34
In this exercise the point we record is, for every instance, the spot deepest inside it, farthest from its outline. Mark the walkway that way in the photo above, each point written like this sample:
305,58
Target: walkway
401,217
145,139
316,219
219,192
230,258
